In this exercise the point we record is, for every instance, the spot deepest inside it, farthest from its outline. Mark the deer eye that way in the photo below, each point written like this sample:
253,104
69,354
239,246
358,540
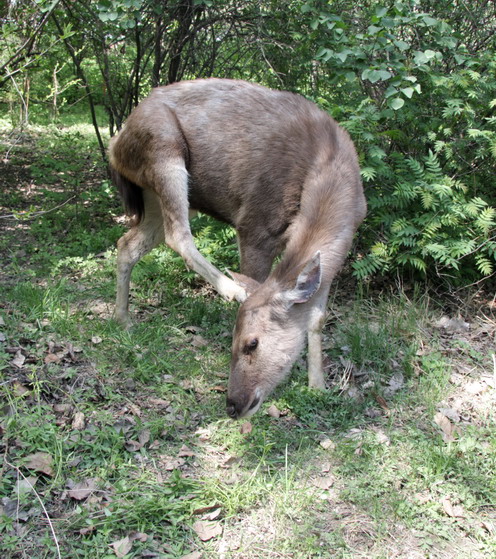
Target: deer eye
250,346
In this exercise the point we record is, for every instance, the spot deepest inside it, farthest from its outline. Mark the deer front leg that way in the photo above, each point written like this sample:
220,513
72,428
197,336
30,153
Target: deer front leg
315,361
225,286
315,366
173,194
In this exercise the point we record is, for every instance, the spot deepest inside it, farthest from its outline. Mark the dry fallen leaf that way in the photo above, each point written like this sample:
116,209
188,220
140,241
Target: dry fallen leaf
79,421
325,467
122,547
20,389
133,446
246,428
474,388
194,555
52,358
453,511
324,482
230,461
144,436
219,388
213,515
208,508
187,384
159,402
327,444
83,489
185,451
19,359
488,526
170,463
382,438
96,339
452,324
451,414
62,408
395,384
134,409
446,426
25,485
199,341
274,412
204,435
140,536
382,402
207,530
40,462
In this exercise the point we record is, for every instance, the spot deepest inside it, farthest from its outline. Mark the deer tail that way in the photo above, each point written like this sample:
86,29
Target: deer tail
131,195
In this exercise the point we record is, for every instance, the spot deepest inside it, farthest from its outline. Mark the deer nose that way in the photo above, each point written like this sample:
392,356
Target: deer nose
231,409
236,409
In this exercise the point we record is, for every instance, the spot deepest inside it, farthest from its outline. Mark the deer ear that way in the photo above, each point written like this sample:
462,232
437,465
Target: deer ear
248,284
307,282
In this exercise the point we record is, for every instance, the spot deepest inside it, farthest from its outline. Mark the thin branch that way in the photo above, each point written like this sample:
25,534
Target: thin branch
20,95
54,535
37,214
29,42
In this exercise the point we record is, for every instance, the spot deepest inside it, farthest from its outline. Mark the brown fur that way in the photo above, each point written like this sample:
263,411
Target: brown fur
278,169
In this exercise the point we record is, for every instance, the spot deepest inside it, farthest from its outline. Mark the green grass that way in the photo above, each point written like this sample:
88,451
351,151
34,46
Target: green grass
358,471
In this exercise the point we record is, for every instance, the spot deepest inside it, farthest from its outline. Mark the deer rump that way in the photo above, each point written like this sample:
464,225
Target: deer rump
283,174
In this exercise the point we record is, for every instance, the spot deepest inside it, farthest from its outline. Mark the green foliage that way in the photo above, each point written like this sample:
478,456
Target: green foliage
413,82
417,99
216,241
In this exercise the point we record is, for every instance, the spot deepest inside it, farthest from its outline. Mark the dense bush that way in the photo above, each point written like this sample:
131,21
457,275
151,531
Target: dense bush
417,97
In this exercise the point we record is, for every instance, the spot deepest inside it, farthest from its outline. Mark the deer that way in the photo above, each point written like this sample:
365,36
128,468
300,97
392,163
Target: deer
279,170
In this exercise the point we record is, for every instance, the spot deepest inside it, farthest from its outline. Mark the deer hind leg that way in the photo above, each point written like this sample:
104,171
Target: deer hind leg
131,247
171,184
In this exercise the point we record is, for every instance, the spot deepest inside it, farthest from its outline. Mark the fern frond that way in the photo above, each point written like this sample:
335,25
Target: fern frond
366,267
443,190
432,165
484,265
416,168
486,220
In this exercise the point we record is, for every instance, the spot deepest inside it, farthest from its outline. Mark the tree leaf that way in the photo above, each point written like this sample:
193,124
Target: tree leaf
19,359
396,103
122,547
207,530
446,426
40,462
246,428
274,411
325,482
408,92
83,489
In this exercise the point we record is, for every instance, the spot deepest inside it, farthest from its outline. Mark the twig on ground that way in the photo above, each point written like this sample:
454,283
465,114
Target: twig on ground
37,214
54,535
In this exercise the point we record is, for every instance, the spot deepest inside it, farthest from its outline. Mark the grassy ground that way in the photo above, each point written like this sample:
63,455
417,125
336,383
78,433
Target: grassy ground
116,444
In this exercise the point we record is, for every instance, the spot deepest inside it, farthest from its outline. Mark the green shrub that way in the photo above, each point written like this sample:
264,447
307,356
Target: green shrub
417,98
